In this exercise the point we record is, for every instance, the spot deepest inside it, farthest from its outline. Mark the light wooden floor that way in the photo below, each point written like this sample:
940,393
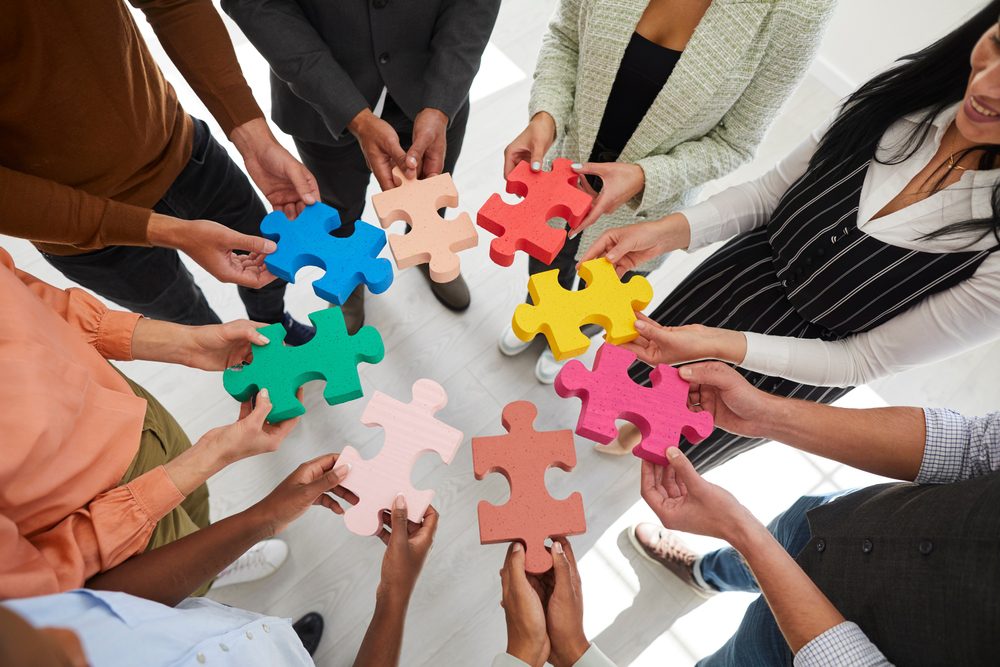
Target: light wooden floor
635,613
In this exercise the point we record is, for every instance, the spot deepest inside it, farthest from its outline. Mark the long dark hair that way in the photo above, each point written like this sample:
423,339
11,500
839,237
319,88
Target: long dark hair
929,81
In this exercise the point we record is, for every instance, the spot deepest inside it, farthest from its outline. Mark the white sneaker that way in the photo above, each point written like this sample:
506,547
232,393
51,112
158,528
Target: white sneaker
261,560
510,345
547,367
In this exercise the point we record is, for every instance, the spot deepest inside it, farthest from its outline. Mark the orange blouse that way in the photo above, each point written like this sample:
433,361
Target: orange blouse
69,428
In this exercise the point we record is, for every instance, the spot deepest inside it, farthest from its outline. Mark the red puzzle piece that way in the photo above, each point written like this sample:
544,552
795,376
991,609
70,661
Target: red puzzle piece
531,516
524,226
608,393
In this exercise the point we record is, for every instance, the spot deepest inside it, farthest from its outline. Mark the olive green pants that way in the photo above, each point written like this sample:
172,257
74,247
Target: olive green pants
163,440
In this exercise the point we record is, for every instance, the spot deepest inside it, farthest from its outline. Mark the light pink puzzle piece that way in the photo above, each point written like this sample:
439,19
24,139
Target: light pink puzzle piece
608,393
410,430
432,239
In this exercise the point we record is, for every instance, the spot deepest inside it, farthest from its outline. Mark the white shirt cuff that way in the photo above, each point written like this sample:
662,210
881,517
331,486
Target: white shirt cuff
706,224
844,645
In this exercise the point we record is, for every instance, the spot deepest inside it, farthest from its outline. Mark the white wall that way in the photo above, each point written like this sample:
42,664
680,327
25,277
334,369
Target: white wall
866,35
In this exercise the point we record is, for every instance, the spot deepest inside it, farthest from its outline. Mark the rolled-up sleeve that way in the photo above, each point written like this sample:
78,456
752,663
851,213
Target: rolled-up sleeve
114,526
108,331
958,447
844,645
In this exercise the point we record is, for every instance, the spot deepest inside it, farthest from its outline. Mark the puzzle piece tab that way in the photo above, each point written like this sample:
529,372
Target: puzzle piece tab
331,355
558,313
524,226
531,516
410,430
608,393
431,239
348,261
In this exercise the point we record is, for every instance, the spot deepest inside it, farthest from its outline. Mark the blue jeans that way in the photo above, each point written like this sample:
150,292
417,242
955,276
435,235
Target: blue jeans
758,641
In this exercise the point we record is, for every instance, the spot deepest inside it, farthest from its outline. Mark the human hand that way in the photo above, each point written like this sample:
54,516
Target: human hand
522,602
564,606
735,404
427,152
285,182
380,145
251,434
683,500
216,248
532,144
68,644
407,546
216,347
307,485
658,344
622,181
633,245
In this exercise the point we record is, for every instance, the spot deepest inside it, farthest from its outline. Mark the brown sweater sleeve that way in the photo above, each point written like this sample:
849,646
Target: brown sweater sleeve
194,36
41,210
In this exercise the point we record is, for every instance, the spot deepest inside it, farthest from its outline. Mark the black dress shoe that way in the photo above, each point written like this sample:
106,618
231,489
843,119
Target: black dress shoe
452,295
297,333
309,628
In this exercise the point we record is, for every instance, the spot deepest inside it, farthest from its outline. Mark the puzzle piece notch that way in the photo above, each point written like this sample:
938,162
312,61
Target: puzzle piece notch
432,239
348,261
332,355
524,225
411,430
608,393
558,313
531,516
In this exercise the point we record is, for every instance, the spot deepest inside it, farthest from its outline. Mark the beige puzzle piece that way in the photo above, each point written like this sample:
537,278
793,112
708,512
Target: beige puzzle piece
432,239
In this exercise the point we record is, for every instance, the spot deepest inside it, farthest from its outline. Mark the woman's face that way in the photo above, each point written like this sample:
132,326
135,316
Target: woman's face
979,118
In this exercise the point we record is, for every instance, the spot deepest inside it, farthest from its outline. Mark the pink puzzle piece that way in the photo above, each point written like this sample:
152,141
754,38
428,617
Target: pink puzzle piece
531,516
410,430
431,239
524,226
608,393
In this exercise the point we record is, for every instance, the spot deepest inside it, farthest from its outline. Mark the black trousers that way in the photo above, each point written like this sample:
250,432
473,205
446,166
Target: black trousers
343,174
154,281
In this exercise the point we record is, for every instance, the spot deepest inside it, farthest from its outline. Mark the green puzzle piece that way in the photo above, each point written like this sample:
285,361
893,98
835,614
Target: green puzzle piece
331,355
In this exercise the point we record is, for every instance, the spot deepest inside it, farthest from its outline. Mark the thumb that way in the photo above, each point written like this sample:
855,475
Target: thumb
561,567
236,241
711,373
305,184
415,155
255,420
398,522
683,467
537,156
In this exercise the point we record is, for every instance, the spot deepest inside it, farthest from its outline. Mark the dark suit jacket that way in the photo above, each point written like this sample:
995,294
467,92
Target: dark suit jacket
331,58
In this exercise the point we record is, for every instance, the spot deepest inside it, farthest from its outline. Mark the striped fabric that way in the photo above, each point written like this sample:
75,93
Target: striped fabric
810,273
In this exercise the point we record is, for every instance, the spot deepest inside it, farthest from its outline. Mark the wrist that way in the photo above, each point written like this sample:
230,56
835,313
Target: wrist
725,345
361,121
529,652
571,652
676,232
165,231
251,136
545,123
434,115
744,532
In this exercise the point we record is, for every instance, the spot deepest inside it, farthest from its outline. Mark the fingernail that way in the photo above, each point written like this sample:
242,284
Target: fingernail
640,325
262,339
263,394
343,471
557,547
576,166
536,166
400,502
673,453
572,235
518,547
270,247
686,372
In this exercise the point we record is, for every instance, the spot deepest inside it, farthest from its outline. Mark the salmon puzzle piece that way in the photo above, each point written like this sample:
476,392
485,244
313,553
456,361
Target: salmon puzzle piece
558,313
531,516
411,429
524,226
332,355
432,239
306,241
608,393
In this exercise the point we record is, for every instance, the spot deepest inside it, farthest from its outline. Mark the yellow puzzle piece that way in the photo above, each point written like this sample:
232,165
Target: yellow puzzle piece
559,313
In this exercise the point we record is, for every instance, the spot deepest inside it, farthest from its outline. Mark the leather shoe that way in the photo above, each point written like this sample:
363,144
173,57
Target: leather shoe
452,295
354,310
309,628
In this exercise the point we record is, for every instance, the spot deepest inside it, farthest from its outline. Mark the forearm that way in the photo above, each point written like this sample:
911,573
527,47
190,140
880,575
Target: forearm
800,608
195,465
172,572
384,639
157,340
884,441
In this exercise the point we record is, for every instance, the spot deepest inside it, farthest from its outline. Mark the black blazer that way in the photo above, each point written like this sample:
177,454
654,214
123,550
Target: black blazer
331,58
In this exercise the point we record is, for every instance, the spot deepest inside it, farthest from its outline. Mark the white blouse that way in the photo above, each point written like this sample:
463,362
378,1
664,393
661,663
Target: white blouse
942,325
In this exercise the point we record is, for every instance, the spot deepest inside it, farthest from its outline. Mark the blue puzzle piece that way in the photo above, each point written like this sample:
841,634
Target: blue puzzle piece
348,261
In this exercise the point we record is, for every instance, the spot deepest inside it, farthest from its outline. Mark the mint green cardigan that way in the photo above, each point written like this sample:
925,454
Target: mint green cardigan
743,61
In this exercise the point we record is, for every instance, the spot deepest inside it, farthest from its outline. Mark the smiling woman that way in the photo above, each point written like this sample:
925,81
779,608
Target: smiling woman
867,251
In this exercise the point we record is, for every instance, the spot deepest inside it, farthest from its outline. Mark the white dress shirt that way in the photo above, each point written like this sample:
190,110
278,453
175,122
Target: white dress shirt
117,629
939,326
